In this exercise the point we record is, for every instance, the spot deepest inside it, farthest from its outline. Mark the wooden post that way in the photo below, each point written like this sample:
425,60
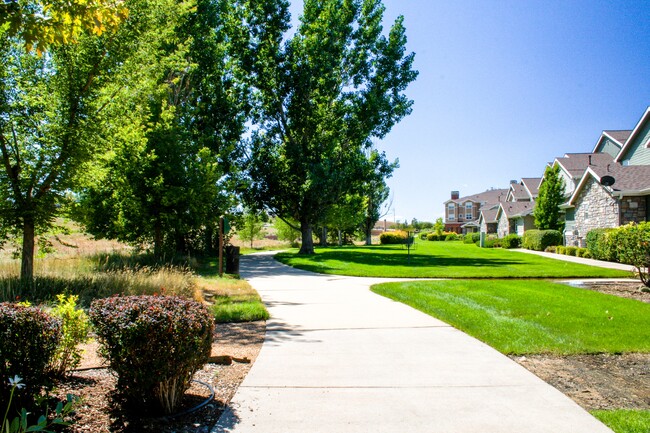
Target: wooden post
220,246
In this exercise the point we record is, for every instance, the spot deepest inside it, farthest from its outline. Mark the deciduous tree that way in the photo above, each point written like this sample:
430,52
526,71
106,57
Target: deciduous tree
321,95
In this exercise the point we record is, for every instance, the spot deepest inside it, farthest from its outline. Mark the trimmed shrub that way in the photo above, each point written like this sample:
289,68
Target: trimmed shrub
433,237
550,249
492,243
511,241
633,247
559,249
392,238
570,251
451,237
154,344
74,328
538,240
28,339
600,244
583,252
472,238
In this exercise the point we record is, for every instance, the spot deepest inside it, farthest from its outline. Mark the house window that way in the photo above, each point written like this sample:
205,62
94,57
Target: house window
451,212
468,210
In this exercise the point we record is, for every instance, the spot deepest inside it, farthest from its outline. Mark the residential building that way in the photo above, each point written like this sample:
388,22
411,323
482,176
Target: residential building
462,213
515,218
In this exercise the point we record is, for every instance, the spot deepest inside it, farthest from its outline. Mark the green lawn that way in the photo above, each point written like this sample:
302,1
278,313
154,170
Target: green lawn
439,260
531,316
625,421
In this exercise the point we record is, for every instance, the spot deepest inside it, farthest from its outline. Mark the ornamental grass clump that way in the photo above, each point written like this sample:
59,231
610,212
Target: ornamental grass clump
28,340
155,344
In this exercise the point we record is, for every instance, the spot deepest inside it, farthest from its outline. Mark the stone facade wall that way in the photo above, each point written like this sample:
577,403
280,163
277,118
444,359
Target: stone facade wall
633,209
594,208
503,225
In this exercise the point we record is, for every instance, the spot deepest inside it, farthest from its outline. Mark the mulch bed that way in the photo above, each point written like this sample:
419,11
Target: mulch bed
100,412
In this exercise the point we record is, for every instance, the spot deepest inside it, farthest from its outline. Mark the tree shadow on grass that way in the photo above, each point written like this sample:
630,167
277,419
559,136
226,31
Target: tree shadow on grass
400,258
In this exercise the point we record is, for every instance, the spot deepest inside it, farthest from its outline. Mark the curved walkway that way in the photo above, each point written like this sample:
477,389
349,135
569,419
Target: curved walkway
339,359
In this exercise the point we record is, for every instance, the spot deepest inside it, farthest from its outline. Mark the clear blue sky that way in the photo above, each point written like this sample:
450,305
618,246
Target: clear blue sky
506,86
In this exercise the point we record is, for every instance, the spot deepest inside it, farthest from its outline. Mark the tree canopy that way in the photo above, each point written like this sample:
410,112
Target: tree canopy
321,95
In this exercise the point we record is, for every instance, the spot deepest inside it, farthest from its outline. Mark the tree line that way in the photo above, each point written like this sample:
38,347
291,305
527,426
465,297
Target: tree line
145,120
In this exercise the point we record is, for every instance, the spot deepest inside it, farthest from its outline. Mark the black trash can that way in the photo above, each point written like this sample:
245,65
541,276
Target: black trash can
232,259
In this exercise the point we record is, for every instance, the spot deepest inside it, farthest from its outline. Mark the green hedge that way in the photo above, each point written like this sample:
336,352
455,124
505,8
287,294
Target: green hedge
511,241
392,238
600,243
538,240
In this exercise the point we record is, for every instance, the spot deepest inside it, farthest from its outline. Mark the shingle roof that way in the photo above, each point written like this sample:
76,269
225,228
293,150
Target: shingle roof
489,215
577,163
517,208
519,192
486,197
628,178
532,183
619,135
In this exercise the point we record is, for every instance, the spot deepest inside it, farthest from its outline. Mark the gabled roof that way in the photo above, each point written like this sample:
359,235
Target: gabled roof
489,215
628,180
633,135
619,137
576,163
516,209
489,196
518,192
532,185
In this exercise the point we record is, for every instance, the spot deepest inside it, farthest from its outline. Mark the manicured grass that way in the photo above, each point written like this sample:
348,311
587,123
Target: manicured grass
625,421
531,316
439,260
234,300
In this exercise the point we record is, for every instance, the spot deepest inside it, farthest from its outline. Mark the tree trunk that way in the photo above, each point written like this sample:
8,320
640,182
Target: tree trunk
157,239
307,246
340,240
323,237
27,259
368,231
209,239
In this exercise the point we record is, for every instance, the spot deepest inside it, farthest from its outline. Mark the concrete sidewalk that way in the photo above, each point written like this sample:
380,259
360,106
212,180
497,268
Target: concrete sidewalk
582,260
339,359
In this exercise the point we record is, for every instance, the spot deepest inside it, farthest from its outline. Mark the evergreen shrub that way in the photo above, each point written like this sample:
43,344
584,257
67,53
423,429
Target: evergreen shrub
538,240
155,344
511,241
600,243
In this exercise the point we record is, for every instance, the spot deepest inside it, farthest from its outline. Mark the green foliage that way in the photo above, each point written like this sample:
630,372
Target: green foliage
551,196
559,249
600,244
285,231
511,241
74,331
154,344
28,340
323,93
439,226
175,160
583,252
252,227
451,237
570,251
625,420
517,317
538,240
392,238
633,247
492,243
552,249
21,424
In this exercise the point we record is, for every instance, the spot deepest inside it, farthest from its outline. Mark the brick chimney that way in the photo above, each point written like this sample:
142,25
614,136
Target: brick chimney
455,195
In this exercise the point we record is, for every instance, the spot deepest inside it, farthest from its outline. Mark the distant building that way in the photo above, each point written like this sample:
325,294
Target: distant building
462,213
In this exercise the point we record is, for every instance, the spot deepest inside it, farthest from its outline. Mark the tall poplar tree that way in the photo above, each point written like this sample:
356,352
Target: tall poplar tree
320,95
549,199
